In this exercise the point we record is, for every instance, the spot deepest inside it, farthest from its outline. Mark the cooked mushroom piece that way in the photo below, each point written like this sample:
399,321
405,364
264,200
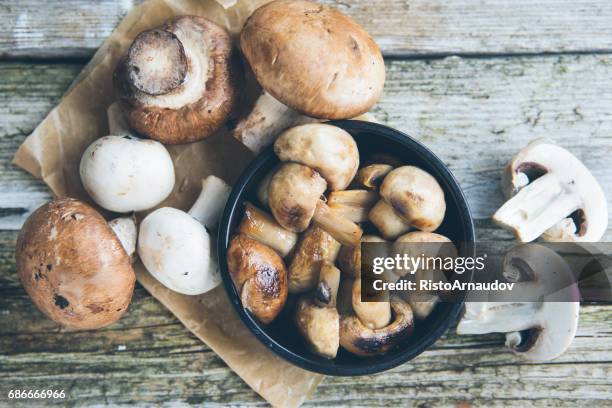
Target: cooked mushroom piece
536,331
259,275
326,291
411,197
372,176
176,247
365,341
353,205
340,73
315,247
373,315
551,195
126,173
178,82
329,150
263,186
260,226
294,199
74,266
349,258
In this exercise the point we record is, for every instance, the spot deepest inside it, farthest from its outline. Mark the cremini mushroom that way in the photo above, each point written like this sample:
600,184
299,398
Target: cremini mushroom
262,227
126,173
551,195
329,150
353,205
372,314
349,258
73,264
372,176
362,340
315,247
294,199
176,247
535,330
178,82
259,275
313,59
411,197
316,316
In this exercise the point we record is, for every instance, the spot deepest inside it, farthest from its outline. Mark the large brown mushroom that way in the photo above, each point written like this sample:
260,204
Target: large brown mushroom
260,277
178,82
74,266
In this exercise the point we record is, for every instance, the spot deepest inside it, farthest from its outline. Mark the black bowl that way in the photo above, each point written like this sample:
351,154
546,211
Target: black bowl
281,336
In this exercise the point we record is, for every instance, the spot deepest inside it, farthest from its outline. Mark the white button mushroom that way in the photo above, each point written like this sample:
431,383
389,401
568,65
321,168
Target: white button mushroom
176,247
552,195
536,331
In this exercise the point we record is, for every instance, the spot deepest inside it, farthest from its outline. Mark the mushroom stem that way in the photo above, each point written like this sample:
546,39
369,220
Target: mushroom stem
326,292
352,204
125,229
117,122
343,230
262,227
537,207
209,205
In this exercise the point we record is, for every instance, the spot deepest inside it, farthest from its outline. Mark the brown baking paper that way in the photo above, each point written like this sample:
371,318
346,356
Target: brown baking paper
53,151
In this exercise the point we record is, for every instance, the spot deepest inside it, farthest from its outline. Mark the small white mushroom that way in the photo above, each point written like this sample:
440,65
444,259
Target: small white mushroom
551,195
176,247
536,331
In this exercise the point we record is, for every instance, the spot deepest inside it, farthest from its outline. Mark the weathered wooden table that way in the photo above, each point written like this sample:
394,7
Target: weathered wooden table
474,80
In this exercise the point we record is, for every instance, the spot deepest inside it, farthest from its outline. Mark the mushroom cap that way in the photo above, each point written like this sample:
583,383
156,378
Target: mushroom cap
320,327
329,150
293,194
361,340
176,249
73,266
259,275
313,59
125,173
416,196
178,82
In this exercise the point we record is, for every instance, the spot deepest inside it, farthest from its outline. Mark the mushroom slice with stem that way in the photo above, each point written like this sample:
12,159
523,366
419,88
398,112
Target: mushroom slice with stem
262,227
536,331
73,264
178,82
176,247
315,247
365,341
294,200
551,195
353,205
349,258
372,176
411,197
329,150
259,275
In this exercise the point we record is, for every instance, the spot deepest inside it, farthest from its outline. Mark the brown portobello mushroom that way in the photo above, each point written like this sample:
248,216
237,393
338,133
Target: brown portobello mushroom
178,82
74,266
364,341
260,277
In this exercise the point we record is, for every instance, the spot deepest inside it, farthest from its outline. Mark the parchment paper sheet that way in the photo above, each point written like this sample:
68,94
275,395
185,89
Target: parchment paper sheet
52,153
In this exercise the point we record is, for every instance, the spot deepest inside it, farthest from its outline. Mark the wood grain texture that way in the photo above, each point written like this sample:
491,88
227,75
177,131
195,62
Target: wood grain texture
75,28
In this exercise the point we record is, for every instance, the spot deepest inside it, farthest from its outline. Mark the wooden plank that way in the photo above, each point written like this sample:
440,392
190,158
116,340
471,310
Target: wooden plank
474,113
76,28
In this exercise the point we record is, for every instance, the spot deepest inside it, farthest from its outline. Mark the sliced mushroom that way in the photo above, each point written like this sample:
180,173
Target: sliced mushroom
259,275
365,341
349,258
260,226
536,331
373,315
125,173
313,59
371,177
315,247
178,82
411,197
176,247
552,195
326,291
329,150
73,266
353,205
294,200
